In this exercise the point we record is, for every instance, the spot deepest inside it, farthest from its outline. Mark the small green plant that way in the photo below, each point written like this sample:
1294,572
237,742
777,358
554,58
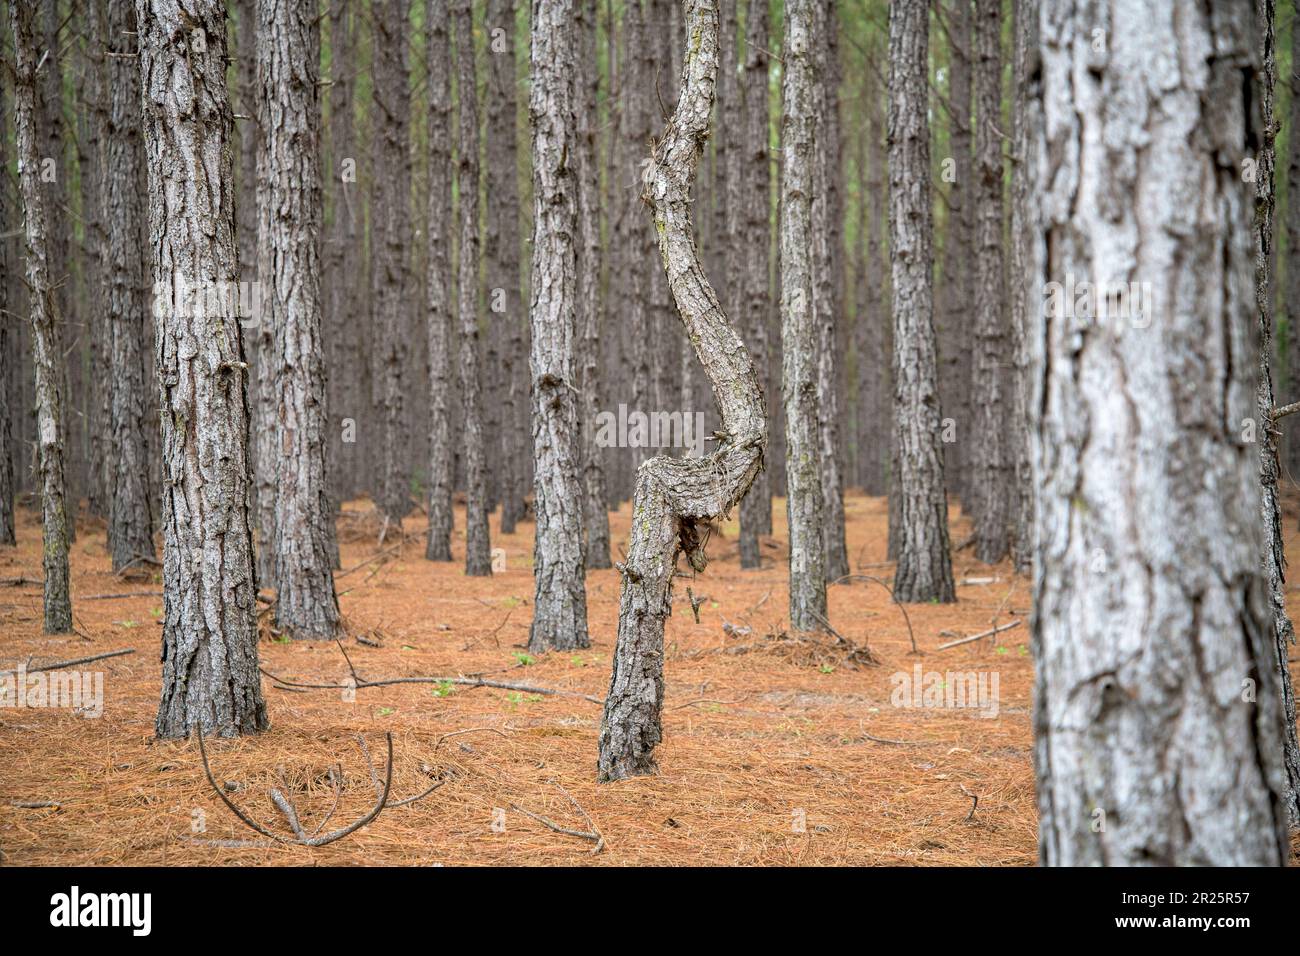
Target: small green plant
385,711
444,689
524,659
827,668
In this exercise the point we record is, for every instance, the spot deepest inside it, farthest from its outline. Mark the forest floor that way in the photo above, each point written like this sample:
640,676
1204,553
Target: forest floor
775,751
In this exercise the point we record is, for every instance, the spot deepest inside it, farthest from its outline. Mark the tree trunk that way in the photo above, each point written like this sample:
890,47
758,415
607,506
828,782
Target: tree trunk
1269,467
390,238
1291,300
958,297
92,143
442,456
210,675
1156,710
1023,234
988,466
752,199
10,348
289,234
501,252
677,498
46,338
478,558
131,525
924,570
799,333
827,280
590,304
560,604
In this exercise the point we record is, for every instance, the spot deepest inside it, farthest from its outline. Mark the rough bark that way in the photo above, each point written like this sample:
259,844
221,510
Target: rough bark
1156,709
676,498
959,251
989,474
799,333
924,571
827,280
1023,234
590,303
478,558
753,204
289,243
131,524
1274,553
442,456
560,602
10,453
92,143
501,257
209,673
390,233
1291,299
46,333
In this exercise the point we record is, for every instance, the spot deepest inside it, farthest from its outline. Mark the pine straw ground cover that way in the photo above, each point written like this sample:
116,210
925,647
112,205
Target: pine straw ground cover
775,751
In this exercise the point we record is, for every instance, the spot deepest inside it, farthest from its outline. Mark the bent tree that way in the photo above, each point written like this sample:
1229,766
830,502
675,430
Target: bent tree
47,349
209,647
677,498
1158,730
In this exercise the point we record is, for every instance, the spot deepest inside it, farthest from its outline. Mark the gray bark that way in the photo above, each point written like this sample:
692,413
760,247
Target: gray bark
1269,465
210,674
677,498
131,524
989,473
560,602
92,143
1158,736
799,333
827,280
501,259
442,456
1023,235
390,232
289,236
590,304
46,320
924,571
1291,298
10,348
752,201
478,558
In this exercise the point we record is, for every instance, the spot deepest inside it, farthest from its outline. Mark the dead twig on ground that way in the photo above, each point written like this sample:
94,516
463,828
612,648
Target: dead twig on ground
906,617
59,665
975,637
591,834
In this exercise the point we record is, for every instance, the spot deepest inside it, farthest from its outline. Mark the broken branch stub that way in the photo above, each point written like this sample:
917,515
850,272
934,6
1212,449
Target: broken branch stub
676,498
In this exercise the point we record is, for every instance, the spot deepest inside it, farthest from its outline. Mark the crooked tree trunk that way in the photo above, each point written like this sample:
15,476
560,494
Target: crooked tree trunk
46,338
130,529
590,304
478,558
989,487
390,239
289,233
209,673
1158,735
501,255
676,498
560,603
442,456
753,298
924,570
805,505
1269,465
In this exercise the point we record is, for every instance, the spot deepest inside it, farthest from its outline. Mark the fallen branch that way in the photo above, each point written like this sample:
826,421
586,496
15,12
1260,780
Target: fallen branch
975,637
592,834
59,665
461,681
115,597
902,607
